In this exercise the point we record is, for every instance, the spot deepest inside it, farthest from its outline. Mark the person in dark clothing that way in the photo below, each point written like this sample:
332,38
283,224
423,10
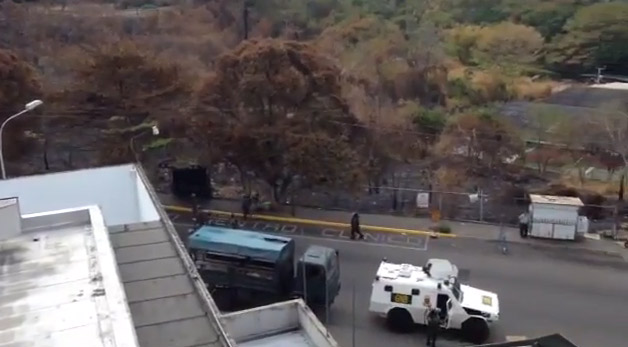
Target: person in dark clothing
433,326
355,226
246,206
233,222
195,211
255,201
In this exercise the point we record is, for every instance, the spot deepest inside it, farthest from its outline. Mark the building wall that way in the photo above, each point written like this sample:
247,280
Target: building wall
10,218
117,190
560,218
147,211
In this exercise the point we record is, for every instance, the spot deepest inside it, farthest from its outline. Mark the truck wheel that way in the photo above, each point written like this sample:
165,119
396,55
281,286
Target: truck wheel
399,320
475,330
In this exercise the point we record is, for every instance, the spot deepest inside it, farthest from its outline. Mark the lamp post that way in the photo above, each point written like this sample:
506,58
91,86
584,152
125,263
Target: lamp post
27,108
154,131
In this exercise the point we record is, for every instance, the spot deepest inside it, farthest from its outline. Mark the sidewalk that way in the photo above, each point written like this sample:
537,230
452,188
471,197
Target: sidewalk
390,223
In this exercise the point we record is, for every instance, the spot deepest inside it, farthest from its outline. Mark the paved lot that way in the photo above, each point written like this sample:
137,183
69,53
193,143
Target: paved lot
574,292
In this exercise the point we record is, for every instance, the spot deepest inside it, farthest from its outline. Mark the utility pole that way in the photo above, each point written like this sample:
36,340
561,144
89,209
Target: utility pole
353,312
304,281
598,77
481,204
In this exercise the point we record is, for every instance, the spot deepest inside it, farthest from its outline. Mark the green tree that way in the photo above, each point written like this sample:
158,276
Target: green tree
596,36
274,108
548,18
508,44
430,123
475,11
505,44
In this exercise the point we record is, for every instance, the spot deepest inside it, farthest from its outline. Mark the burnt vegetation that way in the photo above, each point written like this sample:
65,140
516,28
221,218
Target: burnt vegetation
299,95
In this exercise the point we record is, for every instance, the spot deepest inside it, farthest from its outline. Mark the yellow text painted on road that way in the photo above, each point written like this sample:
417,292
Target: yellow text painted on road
282,219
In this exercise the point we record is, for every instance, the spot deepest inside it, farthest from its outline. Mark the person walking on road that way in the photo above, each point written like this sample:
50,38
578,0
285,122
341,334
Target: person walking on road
246,206
524,223
196,218
433,327
355,226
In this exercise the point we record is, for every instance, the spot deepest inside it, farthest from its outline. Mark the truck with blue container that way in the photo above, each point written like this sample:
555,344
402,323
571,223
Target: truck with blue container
244,269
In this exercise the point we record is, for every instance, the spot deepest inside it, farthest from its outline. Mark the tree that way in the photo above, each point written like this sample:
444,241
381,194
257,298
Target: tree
594,37
475,11
613,147
505,45
547,125
574,137
547,17
509,44
19,84
481,138
274,108
127,90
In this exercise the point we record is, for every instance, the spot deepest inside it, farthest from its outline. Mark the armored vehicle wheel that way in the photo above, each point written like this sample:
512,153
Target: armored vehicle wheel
399,320
475,330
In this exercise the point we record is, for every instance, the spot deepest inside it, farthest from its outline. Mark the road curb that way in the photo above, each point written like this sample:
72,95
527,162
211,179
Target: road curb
311,222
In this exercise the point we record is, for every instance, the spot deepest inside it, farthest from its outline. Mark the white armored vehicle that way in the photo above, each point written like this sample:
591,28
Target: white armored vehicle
404,293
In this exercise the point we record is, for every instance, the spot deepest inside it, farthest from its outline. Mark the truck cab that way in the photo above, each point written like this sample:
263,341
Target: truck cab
318,270
403,294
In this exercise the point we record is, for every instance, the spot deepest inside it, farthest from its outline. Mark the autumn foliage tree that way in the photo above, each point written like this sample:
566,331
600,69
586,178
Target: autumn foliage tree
274,108
19,84
127,89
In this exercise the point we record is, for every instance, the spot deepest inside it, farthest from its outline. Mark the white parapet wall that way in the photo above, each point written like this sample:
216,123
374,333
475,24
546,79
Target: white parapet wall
118,190
290,322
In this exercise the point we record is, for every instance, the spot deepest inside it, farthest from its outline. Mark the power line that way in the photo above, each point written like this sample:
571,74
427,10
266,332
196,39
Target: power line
484,136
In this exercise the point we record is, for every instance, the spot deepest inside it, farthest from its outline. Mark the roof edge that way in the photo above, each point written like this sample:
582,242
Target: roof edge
195,277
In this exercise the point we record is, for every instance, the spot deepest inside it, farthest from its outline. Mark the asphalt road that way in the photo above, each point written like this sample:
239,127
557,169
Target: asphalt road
580,294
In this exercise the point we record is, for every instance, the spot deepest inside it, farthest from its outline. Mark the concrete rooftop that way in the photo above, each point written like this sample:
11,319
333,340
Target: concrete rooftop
169,303
60,285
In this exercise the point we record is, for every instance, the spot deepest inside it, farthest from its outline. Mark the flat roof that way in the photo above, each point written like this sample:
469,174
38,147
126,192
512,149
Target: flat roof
167,305
289,323
240,242
297,338
60,285
555,200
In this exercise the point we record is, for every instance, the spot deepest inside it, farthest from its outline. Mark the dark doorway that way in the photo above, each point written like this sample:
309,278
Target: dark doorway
191,180
441,303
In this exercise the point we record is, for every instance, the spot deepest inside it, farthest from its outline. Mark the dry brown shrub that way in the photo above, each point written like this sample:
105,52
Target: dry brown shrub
524,88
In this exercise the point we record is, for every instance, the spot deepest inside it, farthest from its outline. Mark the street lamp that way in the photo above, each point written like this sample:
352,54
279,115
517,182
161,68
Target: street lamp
155,132
28,107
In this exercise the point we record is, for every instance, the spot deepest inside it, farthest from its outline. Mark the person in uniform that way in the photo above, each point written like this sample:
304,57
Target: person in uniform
524,222
433,326
246,205
355,226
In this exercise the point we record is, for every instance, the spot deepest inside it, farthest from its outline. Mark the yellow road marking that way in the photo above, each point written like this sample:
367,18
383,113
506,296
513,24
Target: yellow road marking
311,222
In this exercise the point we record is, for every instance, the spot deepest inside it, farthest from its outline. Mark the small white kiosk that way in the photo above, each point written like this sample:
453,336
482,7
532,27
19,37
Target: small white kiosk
556,217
